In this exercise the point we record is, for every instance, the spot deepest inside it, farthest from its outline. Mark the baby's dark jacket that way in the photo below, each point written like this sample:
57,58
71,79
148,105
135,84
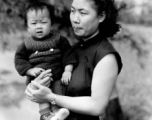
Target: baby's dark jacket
52,53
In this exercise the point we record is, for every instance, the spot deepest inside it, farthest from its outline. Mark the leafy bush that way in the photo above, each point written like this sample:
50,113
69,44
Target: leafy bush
127,15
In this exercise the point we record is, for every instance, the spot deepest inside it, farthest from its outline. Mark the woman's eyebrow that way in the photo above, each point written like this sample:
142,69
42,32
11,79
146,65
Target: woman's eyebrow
79,9
72,7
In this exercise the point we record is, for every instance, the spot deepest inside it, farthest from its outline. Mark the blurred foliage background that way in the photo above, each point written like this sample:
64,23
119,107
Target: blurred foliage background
133,42
11,16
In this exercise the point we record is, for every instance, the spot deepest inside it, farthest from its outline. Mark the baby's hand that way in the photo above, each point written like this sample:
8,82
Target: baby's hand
66,77
35,71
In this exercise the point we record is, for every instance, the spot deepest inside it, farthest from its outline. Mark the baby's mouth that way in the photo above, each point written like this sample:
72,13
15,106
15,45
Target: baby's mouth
39,32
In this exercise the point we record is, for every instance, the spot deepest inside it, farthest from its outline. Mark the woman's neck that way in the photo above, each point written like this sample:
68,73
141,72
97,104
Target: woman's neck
85,39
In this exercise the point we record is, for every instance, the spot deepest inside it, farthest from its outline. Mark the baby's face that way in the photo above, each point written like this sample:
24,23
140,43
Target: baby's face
38,23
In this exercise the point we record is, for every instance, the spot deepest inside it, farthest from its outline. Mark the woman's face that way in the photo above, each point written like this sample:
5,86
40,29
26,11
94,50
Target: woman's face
84,18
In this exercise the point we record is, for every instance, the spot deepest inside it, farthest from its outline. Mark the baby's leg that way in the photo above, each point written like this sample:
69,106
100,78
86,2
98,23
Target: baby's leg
60,113
44,108
46,111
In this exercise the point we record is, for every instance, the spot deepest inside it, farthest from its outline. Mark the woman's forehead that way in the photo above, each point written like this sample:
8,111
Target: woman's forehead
82,4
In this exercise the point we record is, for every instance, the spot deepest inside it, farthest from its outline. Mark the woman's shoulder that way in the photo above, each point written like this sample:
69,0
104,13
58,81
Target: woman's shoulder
106,47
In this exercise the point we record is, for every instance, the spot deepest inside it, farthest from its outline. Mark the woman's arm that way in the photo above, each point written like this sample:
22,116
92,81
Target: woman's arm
104,77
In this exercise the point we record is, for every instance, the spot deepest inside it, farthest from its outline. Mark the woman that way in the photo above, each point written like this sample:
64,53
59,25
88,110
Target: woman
94,78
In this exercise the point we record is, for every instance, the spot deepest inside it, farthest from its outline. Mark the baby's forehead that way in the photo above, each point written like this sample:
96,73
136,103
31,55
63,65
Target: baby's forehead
36,10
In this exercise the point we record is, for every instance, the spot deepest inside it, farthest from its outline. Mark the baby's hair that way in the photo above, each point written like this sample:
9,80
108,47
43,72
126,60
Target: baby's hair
39,6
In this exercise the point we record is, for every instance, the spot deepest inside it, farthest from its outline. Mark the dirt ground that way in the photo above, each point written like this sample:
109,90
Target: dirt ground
134,84
13,102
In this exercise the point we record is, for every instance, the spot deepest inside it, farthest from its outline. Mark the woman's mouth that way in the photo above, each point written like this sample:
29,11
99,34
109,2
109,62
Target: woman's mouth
77,29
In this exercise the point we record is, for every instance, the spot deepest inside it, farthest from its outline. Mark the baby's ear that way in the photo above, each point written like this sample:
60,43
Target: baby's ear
27,28
102,17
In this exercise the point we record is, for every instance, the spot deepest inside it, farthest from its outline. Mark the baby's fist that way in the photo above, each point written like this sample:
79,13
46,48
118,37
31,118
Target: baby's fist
35,71
66,77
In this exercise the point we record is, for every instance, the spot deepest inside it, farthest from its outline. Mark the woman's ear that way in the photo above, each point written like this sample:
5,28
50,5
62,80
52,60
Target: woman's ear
102,17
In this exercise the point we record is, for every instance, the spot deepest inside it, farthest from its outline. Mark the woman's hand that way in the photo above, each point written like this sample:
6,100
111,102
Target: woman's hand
44,78
39,83
40,95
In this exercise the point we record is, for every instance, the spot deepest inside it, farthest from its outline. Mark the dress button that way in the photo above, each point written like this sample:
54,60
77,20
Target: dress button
51,49
81,45
86,58
36,52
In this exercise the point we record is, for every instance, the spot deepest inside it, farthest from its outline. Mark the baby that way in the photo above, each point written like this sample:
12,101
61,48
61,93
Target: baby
42,51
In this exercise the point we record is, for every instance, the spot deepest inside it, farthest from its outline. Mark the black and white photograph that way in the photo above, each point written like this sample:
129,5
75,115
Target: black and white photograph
75,60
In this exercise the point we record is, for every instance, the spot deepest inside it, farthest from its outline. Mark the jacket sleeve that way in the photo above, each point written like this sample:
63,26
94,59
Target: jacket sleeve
69,56
21,60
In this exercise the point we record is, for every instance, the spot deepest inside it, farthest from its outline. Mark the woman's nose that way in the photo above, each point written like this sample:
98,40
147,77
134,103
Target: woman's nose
76,18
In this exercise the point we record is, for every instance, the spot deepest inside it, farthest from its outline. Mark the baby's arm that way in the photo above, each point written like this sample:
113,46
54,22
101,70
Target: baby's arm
41,72
34,71
21,60
69,59
66,76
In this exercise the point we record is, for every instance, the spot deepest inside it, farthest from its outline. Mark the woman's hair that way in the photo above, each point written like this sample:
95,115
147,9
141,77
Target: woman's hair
110,25
39,6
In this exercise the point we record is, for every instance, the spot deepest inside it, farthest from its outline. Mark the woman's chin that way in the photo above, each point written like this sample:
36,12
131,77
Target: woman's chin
78,34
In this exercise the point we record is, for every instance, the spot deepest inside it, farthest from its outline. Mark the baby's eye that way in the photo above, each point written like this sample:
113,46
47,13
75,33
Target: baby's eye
44,22
33,23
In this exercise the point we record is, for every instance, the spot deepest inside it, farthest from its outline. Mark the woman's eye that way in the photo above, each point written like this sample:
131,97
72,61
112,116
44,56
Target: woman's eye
33,23
83,13
72,11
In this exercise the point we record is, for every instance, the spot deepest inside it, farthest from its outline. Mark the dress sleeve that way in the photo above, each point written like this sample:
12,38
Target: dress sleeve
21,60
69,56
107,48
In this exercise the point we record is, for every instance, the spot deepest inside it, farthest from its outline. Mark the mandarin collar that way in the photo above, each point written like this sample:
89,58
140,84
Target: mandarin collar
85,39
91,41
